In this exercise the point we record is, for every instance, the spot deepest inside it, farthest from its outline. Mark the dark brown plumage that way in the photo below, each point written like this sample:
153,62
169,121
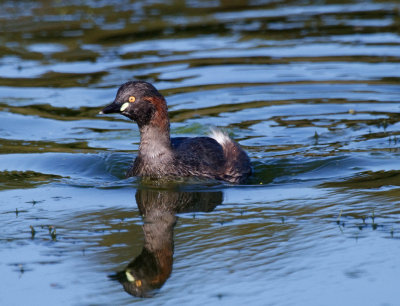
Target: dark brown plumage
217,157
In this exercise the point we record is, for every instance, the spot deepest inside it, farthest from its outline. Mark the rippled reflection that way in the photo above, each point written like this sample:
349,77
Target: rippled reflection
151,269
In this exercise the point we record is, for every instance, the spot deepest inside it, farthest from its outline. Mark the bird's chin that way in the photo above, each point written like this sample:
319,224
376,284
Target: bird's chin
128,115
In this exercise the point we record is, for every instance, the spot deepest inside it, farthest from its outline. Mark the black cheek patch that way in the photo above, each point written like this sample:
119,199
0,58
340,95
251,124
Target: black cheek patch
143,112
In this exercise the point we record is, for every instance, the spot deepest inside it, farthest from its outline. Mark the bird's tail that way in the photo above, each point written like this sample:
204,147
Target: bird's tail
237,163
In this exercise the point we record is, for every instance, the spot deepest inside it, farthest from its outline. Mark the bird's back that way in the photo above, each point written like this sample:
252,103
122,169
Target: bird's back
218,157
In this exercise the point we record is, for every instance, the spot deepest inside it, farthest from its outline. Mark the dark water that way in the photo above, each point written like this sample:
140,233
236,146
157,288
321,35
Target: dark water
311,89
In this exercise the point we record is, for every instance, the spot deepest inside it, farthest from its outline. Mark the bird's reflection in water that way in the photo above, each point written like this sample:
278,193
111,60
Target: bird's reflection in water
153,266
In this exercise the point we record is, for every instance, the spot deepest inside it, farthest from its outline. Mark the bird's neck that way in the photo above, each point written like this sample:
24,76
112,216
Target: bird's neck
155,142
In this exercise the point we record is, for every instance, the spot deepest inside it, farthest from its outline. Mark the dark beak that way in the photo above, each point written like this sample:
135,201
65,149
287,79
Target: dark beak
112,108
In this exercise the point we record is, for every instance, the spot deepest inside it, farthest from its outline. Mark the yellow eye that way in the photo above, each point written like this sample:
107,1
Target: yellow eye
132,99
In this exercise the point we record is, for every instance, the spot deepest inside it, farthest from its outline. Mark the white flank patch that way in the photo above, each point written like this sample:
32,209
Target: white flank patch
124,106
220,136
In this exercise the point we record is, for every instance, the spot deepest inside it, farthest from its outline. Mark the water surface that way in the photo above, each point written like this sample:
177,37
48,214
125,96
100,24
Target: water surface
309,88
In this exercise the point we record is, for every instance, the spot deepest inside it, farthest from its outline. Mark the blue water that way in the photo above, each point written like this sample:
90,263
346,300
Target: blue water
309,89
